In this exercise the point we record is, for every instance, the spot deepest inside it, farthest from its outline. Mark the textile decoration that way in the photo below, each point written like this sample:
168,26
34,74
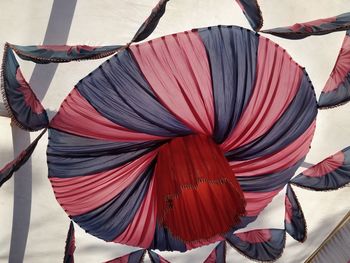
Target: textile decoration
7,171
312,28
156,258
252,12
164,126
151,22
196,168
337,88
21,103
294,220
218,255
70,245
134,257
260,244
330,174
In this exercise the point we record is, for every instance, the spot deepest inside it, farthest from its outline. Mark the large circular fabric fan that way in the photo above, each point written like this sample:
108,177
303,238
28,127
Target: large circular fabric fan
174,142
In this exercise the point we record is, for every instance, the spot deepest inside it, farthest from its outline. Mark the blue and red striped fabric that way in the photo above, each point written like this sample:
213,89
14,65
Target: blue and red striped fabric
312,28
225,86
337,89
252,12
330,174
218,255
70,245
294,220
156,258
134,257
260,244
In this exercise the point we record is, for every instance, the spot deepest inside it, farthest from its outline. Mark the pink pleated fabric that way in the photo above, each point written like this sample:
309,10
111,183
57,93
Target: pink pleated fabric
278,79
177,68
326,166
255,236
29,96
81,194
89,123
278,161
140,231
257,201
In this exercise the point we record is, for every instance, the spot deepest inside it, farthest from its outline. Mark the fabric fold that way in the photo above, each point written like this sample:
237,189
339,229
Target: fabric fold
252,12
312,28
294,220
337,89
7,171
330,174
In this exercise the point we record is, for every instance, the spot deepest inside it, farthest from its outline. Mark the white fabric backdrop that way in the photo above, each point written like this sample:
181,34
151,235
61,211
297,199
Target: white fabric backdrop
102,22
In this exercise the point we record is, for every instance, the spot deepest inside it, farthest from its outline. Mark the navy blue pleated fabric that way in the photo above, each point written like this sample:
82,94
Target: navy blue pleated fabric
268,182
291,125
118,91
155,258
70,155
233,56
111,219
330,174
23,106
261,245
164,240
137,256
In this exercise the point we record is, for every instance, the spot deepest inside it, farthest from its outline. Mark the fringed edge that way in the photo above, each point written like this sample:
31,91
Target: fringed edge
332,106
3,90
142,259
206,240
304,221
194,187
257,260
324,32
4,95
52,60
261,24
318,190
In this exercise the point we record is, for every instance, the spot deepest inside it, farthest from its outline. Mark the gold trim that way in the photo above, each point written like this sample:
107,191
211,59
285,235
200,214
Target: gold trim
346,219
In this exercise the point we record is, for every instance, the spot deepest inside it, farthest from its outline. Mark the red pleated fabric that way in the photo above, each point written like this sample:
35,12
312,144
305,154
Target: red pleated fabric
198,195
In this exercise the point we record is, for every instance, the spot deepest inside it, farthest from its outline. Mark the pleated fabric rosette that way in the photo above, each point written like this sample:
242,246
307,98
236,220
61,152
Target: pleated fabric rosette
178,141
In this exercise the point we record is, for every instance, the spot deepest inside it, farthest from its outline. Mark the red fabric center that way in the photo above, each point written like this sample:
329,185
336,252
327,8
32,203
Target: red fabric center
198,195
